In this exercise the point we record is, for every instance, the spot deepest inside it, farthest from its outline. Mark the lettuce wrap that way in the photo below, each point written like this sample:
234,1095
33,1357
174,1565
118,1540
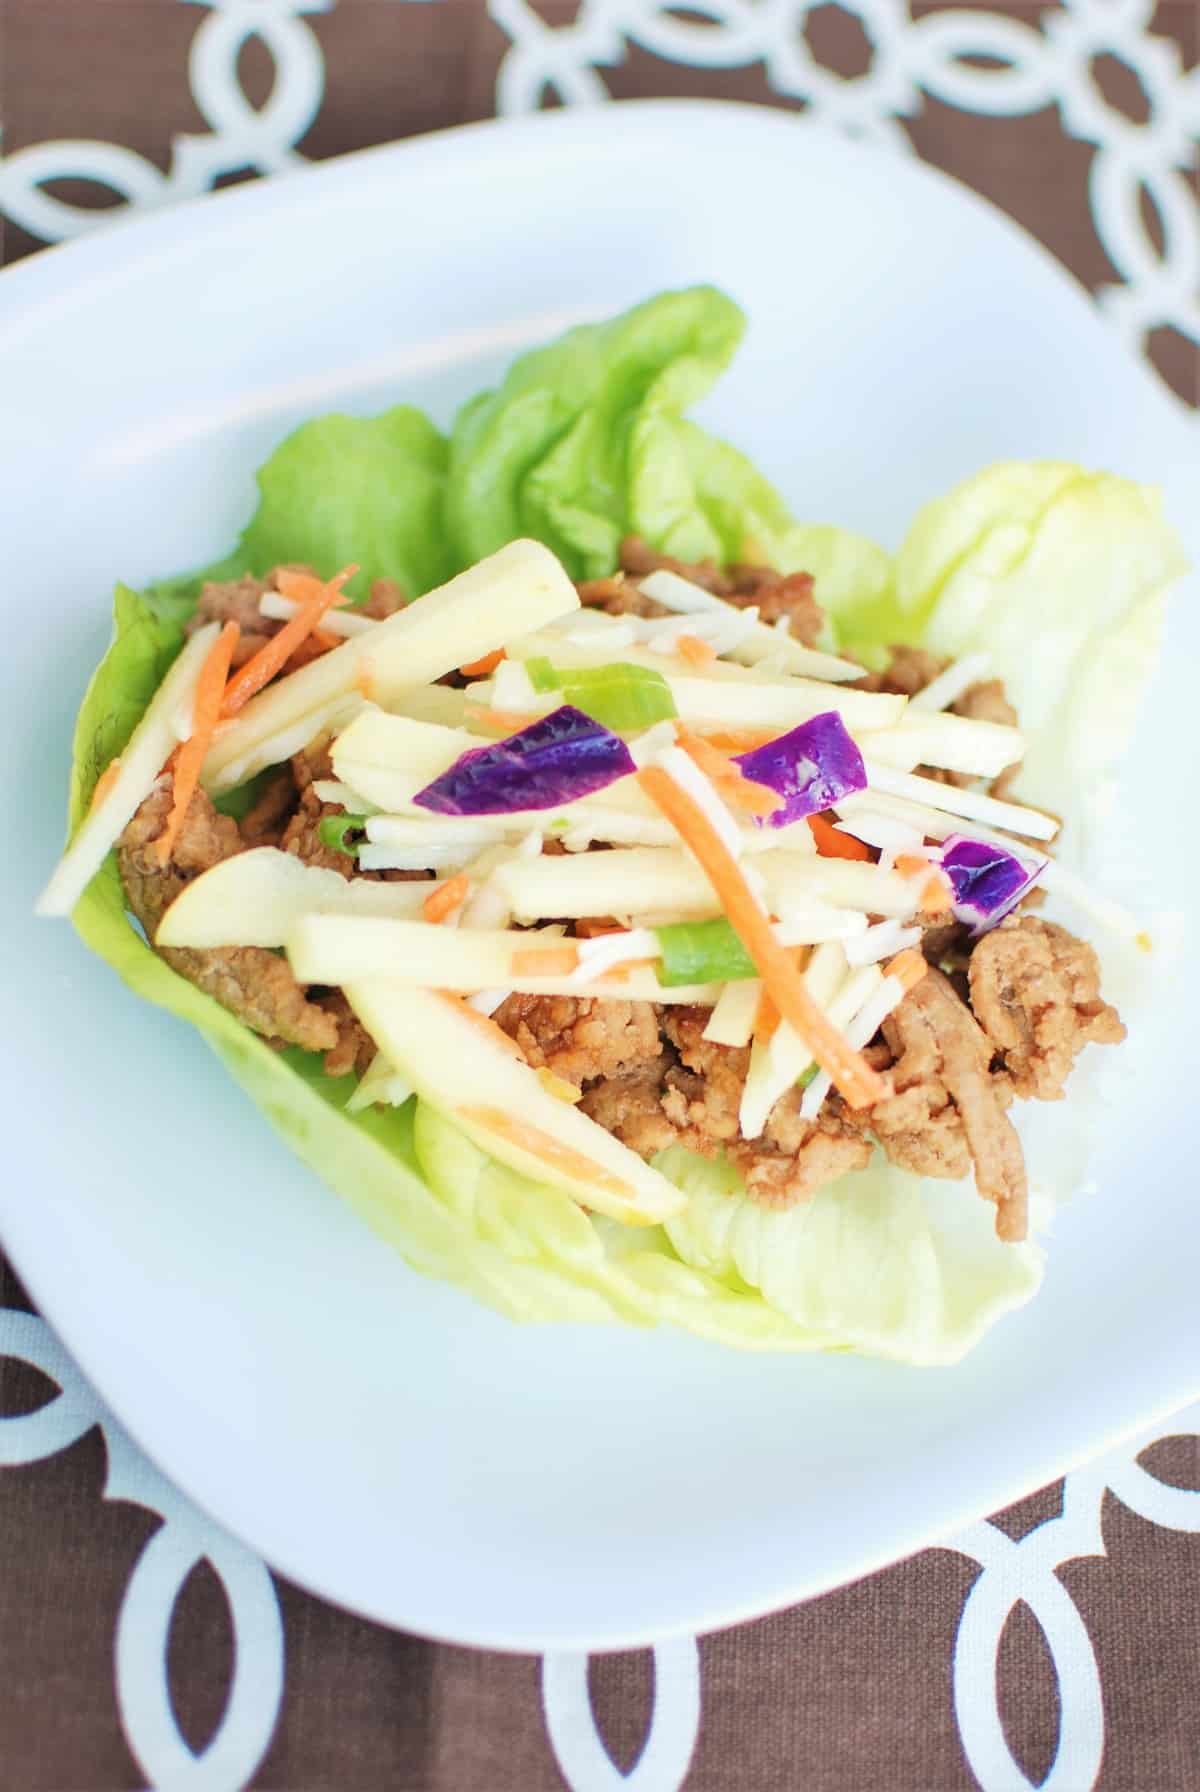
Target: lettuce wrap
585,442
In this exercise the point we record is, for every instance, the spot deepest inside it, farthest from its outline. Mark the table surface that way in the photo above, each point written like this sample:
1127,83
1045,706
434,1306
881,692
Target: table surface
1052,1645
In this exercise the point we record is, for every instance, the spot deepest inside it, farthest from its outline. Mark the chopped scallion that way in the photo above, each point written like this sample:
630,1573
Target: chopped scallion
620,696
333,829
701,952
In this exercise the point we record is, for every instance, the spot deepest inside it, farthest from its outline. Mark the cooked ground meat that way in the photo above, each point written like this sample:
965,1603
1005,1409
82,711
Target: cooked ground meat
386,598
263,824
653,1088
301,836
578,1038
250,981
650,1077
780,594
638,561
948,1111
1036,990
910,669
355,1048
776,594
236,600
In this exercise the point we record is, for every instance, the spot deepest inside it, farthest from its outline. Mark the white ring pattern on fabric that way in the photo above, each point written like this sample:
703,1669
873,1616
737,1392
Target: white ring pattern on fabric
1038,66
1012,1572
1052,65
185,1538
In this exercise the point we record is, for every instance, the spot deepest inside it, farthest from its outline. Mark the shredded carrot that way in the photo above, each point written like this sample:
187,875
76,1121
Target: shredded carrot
911,864
766,1019
481,667
833,844
741,740
908,967
446,898
852,1075
742,792
935,890
935,897
545,961
105,781
695,651
189,757
483,1024
315,597
554,1154
503,721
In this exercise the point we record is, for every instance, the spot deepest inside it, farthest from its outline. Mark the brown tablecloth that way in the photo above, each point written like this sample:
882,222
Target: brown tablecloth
1079,120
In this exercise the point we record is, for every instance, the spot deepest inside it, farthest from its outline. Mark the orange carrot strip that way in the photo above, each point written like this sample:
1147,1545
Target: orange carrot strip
851,1074
315,597
105,781
446,898
481,667
741,740
545,961
908,967
189,757
484,1024
911,864
766,1019
935,897
734,786
833,844
539,1144
695,651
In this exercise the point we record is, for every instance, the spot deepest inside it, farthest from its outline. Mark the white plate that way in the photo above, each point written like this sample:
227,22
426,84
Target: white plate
380,1439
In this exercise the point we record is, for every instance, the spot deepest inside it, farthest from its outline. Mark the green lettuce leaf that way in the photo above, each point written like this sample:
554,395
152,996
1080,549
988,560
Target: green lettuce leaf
1062,576
585,441
553,451
344,489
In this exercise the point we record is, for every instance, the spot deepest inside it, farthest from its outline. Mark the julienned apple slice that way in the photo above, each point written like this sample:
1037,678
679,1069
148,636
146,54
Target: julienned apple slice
460,1064
257,897
517,589
136,774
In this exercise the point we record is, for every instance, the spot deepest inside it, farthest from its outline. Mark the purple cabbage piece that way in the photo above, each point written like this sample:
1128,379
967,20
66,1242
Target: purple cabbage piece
811,768
986,881
557,759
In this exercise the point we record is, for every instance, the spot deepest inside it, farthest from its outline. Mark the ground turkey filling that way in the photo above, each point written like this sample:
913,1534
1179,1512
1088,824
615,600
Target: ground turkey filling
993,1021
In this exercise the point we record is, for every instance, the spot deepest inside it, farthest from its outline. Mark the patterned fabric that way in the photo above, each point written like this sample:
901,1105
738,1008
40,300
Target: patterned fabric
1054,1645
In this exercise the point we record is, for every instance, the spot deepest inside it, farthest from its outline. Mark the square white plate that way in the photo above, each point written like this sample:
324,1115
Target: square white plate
380,1439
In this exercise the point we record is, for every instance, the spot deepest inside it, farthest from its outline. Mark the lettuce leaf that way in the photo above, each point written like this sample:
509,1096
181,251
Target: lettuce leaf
553,451
1062,576
584,441
342,490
